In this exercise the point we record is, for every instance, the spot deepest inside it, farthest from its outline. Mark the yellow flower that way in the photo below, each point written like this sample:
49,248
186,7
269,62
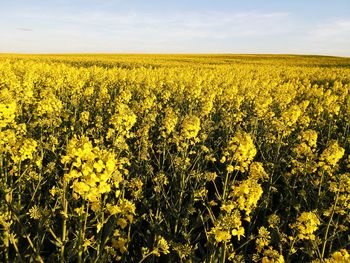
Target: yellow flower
99,166
84,117
274,221
263,239
331,155
113,209
246,194
120,244
307,223
124,118
35,212
190,126
230,168
290,116
80,187
341,256
110,164
228,207
79,211
7,113
50,106
309,136
99,226
240,150
272,256
53,191
122,222
220,235
162,246
27,149
169,122
238,232
257,171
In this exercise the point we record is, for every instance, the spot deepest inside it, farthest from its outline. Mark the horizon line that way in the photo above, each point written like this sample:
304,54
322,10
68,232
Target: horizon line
173,53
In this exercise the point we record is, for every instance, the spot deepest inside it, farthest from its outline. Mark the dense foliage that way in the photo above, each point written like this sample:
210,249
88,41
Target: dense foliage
158,158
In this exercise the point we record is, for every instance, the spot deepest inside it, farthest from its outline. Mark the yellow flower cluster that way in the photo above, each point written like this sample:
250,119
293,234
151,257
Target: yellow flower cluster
341,256
228,225
341,188
92,171
7,140
50,105
190,127
245,195
263,239
7,113
162,247
121,121
307,145
272,256
306,225
331,156
290,116
169,122
26,150
240,151
305,161
84,117
257,172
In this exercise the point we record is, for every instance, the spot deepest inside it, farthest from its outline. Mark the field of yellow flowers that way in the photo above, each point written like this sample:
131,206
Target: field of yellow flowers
174,158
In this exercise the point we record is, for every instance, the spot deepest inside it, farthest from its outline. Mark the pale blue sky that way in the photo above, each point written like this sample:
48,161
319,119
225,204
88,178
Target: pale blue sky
192,26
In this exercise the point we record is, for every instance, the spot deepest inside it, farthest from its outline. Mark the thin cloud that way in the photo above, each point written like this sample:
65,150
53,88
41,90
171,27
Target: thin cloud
331,36
204,22
24,29
216,25
139,32
338,28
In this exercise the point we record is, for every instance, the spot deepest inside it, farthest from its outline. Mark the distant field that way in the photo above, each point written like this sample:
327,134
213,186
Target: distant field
174,158
165,60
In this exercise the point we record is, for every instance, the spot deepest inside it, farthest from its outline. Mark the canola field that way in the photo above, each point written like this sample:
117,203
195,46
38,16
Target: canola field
174,158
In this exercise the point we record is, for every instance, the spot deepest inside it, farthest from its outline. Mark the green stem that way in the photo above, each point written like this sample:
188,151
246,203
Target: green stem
38,257
8,185
291,248
19,186
225,187
65,215
100,233
328,226
82,230
223,258
146,256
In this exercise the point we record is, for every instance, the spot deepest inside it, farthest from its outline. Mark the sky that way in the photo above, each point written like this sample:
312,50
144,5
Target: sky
159,26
